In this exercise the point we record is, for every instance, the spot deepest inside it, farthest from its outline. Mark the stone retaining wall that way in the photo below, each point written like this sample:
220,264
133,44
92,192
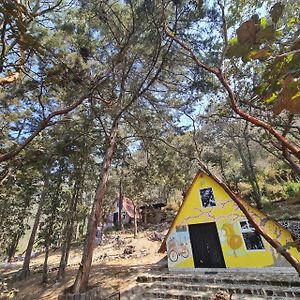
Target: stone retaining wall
291,226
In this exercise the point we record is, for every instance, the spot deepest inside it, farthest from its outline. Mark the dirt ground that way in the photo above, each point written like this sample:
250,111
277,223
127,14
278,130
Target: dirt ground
111,269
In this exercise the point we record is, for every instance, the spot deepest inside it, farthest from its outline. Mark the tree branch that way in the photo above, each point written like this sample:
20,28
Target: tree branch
224,28
232,98
44,123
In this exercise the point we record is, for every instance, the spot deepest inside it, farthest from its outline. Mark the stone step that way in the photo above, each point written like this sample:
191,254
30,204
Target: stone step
260,290
229,278
155,293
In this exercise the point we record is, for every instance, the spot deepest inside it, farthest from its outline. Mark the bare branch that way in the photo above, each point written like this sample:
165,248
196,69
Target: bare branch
198,150
224,28
40,100
44,123
232,97
96,114
37,13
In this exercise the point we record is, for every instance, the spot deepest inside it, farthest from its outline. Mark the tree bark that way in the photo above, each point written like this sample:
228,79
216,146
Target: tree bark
81,282
77,233
65,249
25,268
45,264
120,219
13,247
135,222
48,238
68,232
247,163
145,215
256,188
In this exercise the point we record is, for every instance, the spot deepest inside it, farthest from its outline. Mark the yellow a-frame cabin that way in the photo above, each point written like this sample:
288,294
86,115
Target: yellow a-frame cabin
210,231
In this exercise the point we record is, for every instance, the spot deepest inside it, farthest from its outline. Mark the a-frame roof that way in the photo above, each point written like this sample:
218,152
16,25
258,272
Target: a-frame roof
162,248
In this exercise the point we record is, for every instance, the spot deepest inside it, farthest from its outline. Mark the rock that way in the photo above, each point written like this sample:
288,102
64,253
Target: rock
144,252
129,249
223,296
156,236
118,242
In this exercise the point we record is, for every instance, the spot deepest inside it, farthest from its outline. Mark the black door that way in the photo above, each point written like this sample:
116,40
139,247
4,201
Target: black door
116,219
206,247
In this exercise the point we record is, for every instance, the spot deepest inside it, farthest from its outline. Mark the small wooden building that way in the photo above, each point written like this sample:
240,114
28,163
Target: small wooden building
210,231
152,213
127,212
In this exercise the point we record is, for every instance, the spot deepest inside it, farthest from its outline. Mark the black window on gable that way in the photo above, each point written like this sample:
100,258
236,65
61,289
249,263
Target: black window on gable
207,197
252,239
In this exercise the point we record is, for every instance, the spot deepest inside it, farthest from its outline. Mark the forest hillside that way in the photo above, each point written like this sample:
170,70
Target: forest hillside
107,100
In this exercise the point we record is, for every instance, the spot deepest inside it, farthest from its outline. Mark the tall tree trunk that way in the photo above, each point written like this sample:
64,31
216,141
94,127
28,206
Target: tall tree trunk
145,215
11,251
83,225
222,168
68,232
77,232
247,163
120,219
25,268
45,264
48,239
135,222
81,282
65,253
256,188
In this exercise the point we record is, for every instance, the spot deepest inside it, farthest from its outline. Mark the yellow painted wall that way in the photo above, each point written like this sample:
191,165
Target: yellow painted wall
227,215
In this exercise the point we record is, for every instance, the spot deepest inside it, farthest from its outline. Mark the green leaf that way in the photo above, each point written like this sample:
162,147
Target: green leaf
288,58
263,22
292,22
233,41
270,98
296,96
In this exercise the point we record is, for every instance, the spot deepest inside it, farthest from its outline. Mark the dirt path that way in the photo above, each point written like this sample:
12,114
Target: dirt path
112,270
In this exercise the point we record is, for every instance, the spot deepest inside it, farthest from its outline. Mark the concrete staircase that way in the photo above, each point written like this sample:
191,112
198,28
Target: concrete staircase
242,286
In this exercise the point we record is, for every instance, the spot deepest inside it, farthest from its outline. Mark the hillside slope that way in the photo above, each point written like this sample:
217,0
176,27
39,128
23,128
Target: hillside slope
116,264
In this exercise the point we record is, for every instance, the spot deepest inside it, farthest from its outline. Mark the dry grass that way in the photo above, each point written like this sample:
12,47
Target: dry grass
112,273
